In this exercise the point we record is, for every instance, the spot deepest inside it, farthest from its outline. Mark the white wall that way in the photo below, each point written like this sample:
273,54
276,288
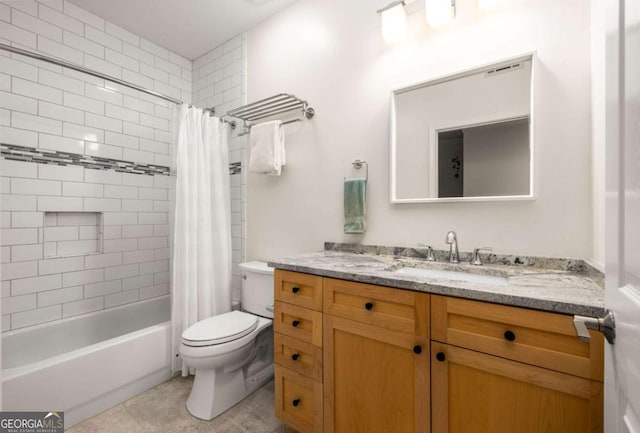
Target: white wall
46,107
332,54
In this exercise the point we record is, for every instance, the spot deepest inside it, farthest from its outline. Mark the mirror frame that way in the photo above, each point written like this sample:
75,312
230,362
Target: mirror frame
433,132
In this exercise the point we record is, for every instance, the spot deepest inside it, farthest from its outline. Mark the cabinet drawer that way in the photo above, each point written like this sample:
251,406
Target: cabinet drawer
534,337
299,289
298,401
298,355
301,323
393,309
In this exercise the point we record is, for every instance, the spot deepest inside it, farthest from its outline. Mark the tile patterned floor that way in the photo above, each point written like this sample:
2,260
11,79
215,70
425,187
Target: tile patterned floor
162,410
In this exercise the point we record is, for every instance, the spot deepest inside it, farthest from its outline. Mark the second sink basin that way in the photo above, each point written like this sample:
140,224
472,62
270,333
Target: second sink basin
453,275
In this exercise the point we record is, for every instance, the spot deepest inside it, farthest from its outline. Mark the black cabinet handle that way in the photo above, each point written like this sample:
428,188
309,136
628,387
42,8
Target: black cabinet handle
295,289
440,356
509,335
295,356
417,349
295,402
368,305
295,323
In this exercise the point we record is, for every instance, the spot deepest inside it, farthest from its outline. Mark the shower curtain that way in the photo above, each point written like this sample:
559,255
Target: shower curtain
201,283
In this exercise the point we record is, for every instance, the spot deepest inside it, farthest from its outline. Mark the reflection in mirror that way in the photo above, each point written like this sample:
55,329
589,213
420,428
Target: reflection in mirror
464,137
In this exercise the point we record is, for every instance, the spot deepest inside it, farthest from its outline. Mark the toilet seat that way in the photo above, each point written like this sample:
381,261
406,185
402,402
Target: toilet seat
219,329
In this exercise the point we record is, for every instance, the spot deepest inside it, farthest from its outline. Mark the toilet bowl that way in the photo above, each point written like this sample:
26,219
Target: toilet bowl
232,353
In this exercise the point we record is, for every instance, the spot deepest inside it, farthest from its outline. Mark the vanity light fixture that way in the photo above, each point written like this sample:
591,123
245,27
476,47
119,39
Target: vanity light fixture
394,21
439,12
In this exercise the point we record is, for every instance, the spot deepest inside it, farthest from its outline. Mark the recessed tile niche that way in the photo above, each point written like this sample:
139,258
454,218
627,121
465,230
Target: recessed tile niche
67,234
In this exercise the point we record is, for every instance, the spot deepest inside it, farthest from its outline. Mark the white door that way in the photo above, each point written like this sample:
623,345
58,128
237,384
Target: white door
622,359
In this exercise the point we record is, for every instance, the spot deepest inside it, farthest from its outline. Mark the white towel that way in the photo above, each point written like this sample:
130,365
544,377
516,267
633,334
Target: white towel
267,148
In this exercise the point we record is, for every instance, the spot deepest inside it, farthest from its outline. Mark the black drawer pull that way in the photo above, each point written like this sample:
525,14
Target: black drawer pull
295,289
440,356
509,335
295,356
295,402
417,349
368,305
295,323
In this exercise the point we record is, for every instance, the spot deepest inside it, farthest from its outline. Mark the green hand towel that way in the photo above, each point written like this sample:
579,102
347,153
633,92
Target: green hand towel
355,205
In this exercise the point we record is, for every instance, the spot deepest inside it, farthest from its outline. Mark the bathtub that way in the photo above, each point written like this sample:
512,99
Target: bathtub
87,364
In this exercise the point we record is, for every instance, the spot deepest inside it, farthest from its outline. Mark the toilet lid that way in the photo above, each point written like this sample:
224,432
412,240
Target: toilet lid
220,329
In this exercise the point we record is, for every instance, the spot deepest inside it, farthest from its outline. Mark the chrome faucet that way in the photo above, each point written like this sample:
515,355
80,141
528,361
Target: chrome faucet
454,256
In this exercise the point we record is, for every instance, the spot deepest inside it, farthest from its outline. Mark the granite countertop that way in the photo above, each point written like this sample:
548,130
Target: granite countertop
565,286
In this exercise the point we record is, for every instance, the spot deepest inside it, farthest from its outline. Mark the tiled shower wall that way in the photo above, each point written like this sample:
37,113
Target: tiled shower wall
219,81
51,109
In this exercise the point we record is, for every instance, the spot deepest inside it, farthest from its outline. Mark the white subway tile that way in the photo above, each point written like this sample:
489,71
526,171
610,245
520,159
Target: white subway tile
60,172
168,90
122,34
108,68
137,231
88,232
153,48
26,219
33,24
25,286
81,103
153,267
102,205
138,156
5,117
153,194
137,205
103,176
103,150
5,254
167,66
23,253
85,78
126,192
120,298
83,15
121,140
60,112
164,181
161,277
59,296
18,203
119,218
35,187
151,243
6,320
18,168
36,123
5,220
122,113
77,189
164,136
66,264
137,282
122,60
15,304
58,50
52,234
19,237
13,271
162,112
112,232
86,133
138,256
55,17
60,204
15,102
180,61
153,121
161,230
123,271
35,317
116,245
154,73
180,83
60,81
162,254
161,206
137,53
79,247
50,249
82,307
5,187
5,15
102,260
138,130
101,289
77,219
103,38
82,277
152,218
102,122
19,137
17,35
62,144
143,106
18,68
137,180
154,291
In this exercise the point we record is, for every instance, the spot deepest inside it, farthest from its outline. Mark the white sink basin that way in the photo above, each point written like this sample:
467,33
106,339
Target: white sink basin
453,275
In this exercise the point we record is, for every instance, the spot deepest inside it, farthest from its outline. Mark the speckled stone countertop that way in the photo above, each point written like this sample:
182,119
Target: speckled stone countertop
563,286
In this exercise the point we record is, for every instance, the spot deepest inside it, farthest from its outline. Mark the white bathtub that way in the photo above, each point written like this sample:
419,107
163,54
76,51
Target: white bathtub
86,364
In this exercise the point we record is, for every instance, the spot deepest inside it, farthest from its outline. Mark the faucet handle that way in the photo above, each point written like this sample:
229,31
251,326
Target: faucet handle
475,259
430,256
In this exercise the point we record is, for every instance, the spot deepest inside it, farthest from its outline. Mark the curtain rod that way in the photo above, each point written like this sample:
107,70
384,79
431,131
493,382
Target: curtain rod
79,68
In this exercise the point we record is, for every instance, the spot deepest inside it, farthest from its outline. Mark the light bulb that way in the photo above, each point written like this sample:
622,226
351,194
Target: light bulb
394,23
439,12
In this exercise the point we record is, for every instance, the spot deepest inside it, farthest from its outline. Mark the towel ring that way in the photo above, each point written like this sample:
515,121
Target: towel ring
357,164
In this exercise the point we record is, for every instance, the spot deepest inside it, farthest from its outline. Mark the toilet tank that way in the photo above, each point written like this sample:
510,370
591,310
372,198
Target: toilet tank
257,288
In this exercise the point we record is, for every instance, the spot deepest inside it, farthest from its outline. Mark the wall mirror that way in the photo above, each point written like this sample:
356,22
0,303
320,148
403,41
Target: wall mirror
464,137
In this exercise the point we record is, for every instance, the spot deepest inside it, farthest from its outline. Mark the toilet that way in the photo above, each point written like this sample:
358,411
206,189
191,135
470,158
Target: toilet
232,353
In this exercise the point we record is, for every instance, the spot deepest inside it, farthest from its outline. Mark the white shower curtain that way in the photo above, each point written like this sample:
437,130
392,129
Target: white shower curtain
202,228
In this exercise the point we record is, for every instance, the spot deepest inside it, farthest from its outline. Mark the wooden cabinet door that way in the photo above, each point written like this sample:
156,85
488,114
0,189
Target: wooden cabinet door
477,393
376,380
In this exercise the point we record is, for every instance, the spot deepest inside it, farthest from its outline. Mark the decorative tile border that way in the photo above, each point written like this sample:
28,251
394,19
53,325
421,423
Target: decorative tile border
234,168
28,154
